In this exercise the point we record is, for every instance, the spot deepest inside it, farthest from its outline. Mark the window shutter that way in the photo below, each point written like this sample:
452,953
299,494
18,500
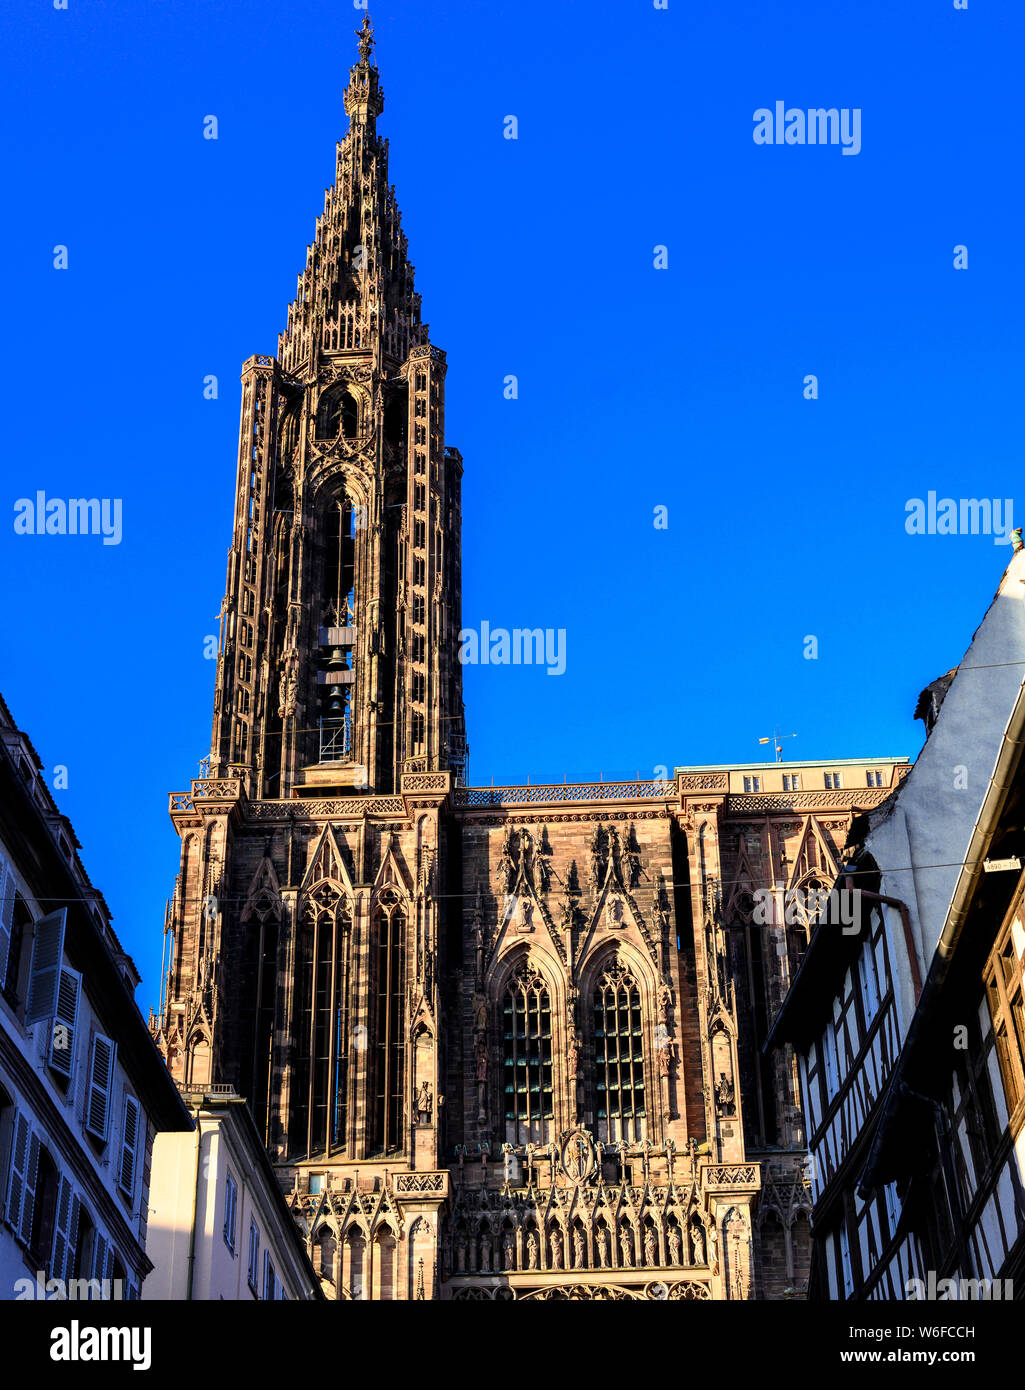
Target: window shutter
99,1259
19,1161
129,1146
6,918
101,1075
71,1249
254,1254
62,1228
44,974
65,1021
28,1196
229,1213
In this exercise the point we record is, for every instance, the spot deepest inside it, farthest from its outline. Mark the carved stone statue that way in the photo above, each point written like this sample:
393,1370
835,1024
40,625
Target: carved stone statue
603,1247
665,999
424,1104
697,1240
675,1245
626,1244
482,1061
556,1248
485,1255
724,1094
531,1150
665,1059
508,1250
650,1247
533,1249
578,1248
480,1013
713,1247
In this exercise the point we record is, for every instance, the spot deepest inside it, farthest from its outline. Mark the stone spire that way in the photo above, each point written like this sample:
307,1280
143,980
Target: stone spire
356,293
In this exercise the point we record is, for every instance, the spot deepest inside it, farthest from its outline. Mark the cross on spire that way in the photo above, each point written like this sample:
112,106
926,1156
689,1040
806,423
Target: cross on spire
366,39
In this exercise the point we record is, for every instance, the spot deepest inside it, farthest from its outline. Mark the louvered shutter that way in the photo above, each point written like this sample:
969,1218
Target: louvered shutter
44,975
28,1196
101,1075
71,1249
65,1022
19,1161
129,1146
62,1226
99,1260
6,918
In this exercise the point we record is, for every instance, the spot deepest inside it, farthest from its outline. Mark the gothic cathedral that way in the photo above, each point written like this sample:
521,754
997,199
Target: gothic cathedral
501,1043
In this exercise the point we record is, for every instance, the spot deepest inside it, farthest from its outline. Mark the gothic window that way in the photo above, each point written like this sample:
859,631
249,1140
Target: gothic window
618,1056
289,434
241,741
418,730
419,686
322,1063
419,497
395,415
389,1022
419,571
419,608
419,535
339,563
527,1057
338,413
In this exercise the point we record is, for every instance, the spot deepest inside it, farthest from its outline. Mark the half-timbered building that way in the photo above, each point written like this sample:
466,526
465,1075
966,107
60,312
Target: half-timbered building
905,1014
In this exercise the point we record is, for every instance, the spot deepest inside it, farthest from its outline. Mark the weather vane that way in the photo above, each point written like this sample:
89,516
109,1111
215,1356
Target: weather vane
775,740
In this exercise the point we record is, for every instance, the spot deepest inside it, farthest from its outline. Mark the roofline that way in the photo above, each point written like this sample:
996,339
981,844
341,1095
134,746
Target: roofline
815,762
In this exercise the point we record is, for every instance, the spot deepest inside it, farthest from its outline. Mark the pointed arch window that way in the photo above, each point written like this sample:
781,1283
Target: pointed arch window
338,413
322,1062
389,1022
527,1057
619,1097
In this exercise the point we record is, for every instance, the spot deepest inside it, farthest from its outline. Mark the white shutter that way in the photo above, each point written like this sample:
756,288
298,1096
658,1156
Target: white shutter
6,918
129,1147
62,1227
44,974
28,1196
65,1022
101,1076
19,1161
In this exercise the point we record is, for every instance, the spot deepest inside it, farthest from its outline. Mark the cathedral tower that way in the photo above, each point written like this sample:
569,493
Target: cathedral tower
304,928
337,663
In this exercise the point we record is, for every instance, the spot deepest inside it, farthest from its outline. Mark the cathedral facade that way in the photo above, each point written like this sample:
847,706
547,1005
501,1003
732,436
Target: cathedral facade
501,1043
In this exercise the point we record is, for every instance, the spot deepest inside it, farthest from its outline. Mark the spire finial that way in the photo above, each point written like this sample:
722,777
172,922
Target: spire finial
366,38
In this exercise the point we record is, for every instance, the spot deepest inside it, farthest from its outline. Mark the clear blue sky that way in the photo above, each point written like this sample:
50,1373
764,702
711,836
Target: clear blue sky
638,388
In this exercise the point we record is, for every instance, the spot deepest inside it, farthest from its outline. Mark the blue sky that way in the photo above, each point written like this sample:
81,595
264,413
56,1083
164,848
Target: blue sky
638,388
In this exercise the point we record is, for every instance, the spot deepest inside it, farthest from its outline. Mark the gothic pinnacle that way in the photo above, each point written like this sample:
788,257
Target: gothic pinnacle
366,39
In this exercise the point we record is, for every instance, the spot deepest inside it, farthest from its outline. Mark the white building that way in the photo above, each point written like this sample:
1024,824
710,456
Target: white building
219,1227
82,1086
911,1128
